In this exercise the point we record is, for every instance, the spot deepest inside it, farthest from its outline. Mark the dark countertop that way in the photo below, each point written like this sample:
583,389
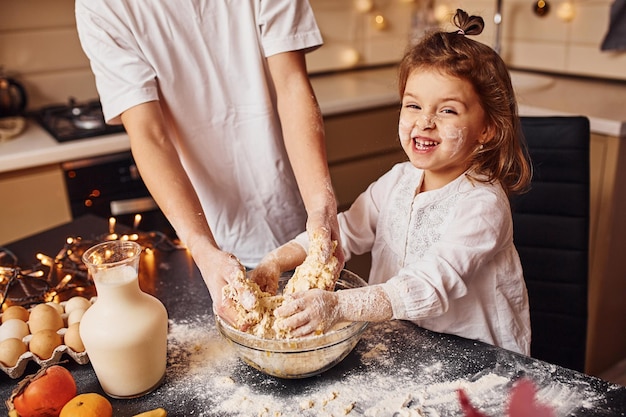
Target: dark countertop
396,369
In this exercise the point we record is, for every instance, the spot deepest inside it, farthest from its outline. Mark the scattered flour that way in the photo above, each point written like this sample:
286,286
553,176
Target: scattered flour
204,370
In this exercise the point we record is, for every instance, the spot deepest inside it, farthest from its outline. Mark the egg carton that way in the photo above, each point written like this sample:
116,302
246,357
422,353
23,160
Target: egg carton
17,371
26,357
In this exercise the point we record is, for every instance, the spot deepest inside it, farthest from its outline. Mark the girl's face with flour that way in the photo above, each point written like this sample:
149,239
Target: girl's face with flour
442,124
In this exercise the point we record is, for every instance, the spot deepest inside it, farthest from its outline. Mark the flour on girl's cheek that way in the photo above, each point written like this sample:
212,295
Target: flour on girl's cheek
453,139
404,130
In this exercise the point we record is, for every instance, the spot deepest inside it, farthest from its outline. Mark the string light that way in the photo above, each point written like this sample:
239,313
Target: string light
67,275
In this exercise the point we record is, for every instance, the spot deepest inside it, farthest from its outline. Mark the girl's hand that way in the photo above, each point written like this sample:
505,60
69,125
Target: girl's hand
266,274
308,312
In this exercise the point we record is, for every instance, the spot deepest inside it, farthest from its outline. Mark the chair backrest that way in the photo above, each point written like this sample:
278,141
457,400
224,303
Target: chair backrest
551,233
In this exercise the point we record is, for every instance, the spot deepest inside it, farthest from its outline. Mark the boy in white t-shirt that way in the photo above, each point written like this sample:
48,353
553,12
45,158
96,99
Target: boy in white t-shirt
223,123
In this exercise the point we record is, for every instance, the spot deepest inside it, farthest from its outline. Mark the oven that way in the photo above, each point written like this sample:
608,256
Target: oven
109,185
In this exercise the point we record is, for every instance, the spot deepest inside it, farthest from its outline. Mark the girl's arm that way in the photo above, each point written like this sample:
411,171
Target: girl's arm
284,258
317,311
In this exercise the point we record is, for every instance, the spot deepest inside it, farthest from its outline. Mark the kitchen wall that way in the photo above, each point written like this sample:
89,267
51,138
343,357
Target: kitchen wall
39,45
550,43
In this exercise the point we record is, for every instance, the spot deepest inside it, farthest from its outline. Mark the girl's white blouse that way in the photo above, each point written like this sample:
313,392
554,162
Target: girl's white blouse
445,258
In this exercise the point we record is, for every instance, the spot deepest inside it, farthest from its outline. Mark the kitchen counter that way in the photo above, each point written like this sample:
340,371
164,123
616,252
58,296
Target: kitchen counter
396,369
602,102
36,147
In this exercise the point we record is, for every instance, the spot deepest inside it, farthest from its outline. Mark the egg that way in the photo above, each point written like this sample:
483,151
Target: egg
43,343
75,316
77,303
10,351
43,316
58,307
13,328
72,338
15,312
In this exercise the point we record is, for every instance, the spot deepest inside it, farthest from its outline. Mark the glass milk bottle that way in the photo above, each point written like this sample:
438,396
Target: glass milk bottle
125,330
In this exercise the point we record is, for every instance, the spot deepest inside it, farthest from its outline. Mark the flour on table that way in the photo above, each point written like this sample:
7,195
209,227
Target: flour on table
205,373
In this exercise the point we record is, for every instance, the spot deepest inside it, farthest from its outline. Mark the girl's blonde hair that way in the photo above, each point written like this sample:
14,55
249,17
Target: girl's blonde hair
505,157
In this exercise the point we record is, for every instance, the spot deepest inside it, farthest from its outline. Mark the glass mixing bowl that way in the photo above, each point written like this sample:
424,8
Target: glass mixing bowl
298,357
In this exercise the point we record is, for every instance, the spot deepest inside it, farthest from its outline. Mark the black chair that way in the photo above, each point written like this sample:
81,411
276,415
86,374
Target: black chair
551,233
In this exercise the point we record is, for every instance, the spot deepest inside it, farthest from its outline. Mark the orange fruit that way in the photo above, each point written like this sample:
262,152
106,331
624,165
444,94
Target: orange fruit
90,404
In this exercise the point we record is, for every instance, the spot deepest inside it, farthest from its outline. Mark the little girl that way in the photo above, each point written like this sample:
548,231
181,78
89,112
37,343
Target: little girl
439,227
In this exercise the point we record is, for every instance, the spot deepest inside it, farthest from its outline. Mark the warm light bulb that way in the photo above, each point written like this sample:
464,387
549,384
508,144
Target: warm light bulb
66,279
442,13
349,57
380,23
363,6
566,11
45,260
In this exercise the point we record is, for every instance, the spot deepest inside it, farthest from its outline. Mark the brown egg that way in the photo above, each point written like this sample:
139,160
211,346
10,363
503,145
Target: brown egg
58,307
43,316
10,351
72,338
15,312
43,343
77,303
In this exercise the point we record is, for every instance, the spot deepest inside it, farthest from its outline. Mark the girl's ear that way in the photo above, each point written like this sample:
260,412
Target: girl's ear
488,133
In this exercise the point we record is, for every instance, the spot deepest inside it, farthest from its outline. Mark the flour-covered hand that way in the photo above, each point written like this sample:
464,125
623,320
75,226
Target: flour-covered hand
308,312
324,228
224,273
267,274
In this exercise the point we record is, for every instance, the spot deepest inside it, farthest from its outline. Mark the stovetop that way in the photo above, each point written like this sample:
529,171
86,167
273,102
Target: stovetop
74,121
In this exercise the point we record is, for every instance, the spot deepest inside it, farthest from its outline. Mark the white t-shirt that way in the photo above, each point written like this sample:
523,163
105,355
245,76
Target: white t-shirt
205,61
445,257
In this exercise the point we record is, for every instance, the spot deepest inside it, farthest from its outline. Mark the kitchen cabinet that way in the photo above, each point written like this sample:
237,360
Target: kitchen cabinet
34,200
361,146
606,338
